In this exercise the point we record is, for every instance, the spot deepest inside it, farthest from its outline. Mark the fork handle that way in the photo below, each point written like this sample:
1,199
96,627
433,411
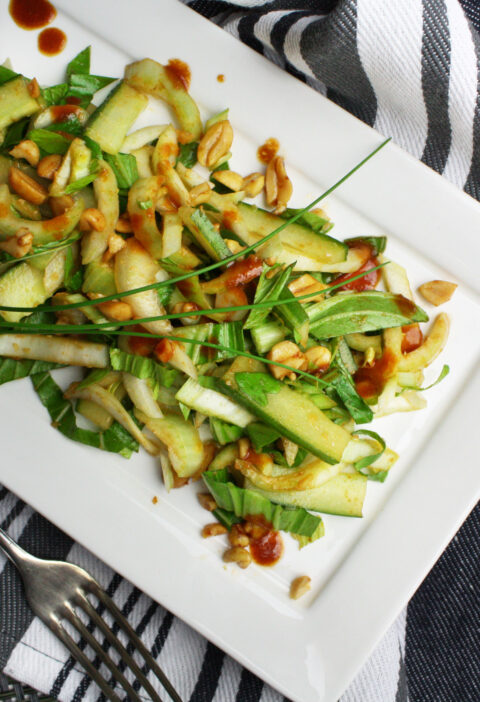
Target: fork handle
12,550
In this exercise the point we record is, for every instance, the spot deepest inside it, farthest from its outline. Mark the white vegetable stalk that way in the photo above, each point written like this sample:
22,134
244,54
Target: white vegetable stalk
55,349
141,137
141,395
111,404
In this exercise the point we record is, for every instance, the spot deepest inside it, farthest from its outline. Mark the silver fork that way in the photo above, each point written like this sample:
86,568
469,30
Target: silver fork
54,591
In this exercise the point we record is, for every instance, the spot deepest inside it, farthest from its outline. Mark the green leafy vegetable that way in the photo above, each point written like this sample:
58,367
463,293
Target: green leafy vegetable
228,519
55,94
15,133
224,432
49,142
188,154
80,63
73,276
344,389
125,168
261,435
378,243
6,74
12,369
257,386
362,465
142,367
443,374
115,439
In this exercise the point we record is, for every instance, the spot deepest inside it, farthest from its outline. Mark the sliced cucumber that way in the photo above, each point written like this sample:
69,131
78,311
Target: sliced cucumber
212,404
21,286
204,233
343,494
295,237
293,414
224,458
99,278
110,122
267,335
182,440
16,102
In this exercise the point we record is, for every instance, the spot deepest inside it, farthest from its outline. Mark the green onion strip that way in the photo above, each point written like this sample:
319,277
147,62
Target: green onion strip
212,266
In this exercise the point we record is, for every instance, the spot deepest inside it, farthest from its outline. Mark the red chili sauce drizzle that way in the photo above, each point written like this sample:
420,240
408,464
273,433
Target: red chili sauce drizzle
64,113
179,73
52,41
369,380
32,14
260,460
242,272
412,338
268,150
366,282
266,545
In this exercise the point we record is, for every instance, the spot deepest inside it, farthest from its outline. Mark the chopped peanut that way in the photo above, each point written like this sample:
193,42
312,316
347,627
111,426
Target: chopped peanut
124,225
237,555
230,179
300,586
318,357
215,143
207,501
253,184
307,285
60,204
243,446
26,187
187,307
214,529
199,194
437,291
115,244
18,245
92,218
288,353
28,150
234,246
117,310
34,88
278,187
49,165
237,537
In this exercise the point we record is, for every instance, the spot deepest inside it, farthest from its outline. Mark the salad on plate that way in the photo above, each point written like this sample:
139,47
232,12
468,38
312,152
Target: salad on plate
232,337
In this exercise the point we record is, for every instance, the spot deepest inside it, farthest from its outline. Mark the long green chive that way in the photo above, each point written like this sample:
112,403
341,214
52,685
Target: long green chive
80,328
212,266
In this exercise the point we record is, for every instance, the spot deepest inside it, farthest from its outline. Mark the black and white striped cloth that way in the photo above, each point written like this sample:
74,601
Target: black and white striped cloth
412,69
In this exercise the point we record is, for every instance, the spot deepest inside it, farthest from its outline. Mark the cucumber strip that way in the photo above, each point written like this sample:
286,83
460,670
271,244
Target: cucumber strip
43,231
21,286
343,494
157,80
212,404
16,102
244,503
268,289
142,197
181,438
110,122
294,317
225,457
99,278
293,414
105,188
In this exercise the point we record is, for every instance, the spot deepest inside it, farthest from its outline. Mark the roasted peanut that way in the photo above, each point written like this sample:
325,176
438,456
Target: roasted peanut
307,285
92,219
237,555
61,204
237,536
115,244
230,179
26,187
199,194
288,353
215,143
300,586
28,150
318,357
49,165
214,529
187,307
253,184
123,225
207,501
117,310
243,447
437,291
278,187
164,350
234,246
18,245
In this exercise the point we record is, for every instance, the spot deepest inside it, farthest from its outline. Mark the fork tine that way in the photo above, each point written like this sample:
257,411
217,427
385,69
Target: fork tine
150,661
74,619
101,624
84,661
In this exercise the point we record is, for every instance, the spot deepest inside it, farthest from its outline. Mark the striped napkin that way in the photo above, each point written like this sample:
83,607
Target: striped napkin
410,69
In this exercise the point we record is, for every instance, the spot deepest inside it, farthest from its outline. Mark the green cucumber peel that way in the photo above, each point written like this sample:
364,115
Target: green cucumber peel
257,386
245,502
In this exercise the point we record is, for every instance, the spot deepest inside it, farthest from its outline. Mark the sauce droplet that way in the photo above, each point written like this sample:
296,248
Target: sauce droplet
32,14
52,41
267,548
268,150
179,73
64,113
221,78
369,380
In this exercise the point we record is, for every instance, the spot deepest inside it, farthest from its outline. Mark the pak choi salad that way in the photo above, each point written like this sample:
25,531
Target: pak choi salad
235,340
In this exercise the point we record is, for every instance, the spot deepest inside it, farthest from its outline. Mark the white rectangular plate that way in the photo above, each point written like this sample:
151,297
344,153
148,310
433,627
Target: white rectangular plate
363,571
